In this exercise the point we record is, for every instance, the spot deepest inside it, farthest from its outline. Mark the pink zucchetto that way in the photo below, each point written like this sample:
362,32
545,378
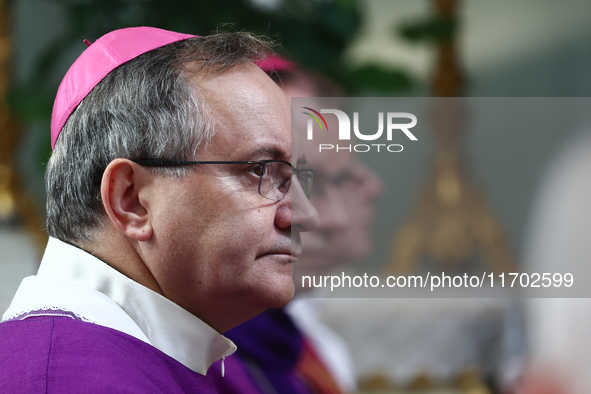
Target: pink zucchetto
99,59
276,63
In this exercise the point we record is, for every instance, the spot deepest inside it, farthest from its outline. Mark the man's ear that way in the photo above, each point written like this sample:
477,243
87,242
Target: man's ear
123,182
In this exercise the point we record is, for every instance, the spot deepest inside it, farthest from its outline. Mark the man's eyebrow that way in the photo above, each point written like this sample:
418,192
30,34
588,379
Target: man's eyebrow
269,151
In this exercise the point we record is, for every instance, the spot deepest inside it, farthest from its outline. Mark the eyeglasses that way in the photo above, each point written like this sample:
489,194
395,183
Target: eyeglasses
274,175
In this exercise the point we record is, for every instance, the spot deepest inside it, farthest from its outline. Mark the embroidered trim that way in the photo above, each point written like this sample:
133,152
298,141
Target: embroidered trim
47,312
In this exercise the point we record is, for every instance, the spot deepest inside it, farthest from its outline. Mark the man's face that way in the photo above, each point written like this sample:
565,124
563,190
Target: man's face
345,193
226,253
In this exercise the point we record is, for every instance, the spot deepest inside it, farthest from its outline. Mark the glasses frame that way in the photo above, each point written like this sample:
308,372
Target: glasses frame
262,163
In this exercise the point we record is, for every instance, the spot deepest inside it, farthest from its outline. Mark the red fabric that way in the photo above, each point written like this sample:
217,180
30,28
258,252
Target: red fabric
314,373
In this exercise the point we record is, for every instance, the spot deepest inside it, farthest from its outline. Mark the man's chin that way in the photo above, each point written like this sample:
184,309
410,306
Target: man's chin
285,298
277,298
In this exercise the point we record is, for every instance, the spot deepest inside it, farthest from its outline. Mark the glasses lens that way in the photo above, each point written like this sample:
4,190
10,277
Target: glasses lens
275,180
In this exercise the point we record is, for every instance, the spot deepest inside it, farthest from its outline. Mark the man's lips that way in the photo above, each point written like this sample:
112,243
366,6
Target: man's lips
293,251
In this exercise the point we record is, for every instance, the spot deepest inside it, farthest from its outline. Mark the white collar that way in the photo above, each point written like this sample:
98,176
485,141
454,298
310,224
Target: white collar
74,281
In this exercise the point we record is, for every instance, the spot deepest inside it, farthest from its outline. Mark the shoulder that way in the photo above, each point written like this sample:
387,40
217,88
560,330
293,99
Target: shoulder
61,354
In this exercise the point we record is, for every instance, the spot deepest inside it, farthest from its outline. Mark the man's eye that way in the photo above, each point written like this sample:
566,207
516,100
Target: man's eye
284,184
259,170
343,178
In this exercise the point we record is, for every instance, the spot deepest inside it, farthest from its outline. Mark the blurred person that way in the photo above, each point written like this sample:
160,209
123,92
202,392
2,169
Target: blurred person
290,350
346,194
558,328
153,254
345,188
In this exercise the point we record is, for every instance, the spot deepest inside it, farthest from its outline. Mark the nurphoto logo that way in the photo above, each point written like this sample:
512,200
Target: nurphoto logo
393,124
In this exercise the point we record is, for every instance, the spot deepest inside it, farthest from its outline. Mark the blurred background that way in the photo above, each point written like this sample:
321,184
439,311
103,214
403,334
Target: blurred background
536,190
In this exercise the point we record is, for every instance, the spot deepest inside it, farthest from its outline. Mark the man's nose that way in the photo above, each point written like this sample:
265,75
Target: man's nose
303,214
297,211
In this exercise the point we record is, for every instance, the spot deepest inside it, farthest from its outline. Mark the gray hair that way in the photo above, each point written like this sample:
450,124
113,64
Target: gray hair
146,108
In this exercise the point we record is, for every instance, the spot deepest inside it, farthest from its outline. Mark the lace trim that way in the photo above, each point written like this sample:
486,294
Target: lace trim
48,312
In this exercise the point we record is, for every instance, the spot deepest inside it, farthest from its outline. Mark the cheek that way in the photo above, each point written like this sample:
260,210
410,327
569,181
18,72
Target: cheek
231,236
208,239
241,235
183,231
237,265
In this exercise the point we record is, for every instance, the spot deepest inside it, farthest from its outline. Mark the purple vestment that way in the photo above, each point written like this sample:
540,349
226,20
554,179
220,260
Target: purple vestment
269,348
55,354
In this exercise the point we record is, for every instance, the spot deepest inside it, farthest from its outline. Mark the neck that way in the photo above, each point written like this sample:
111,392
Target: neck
119,252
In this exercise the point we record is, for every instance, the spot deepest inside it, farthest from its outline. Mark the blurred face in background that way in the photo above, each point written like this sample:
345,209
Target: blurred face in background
344,193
